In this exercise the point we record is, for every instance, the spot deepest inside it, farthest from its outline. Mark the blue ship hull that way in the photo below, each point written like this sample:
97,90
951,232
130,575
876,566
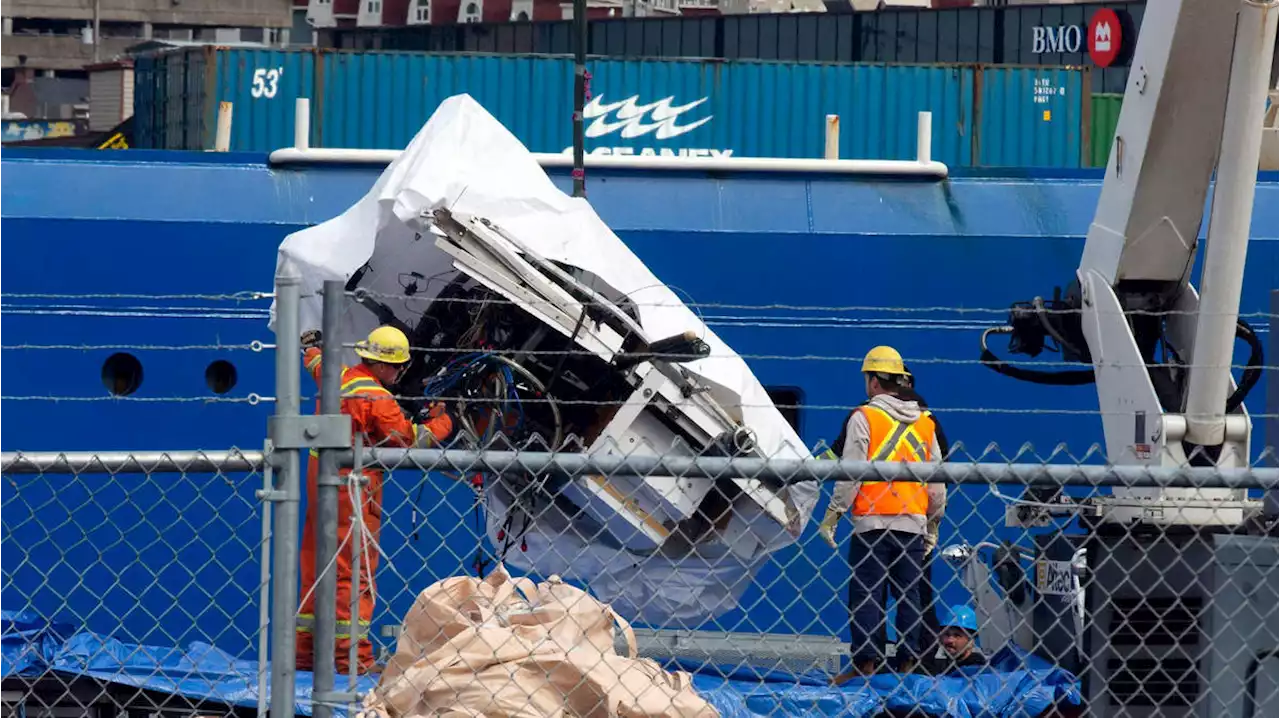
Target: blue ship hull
850,263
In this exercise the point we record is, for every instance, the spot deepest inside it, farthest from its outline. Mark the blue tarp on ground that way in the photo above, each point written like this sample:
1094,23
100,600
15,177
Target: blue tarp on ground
1015,686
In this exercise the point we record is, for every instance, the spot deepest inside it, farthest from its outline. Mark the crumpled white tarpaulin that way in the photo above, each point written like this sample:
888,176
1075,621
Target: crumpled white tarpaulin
465,160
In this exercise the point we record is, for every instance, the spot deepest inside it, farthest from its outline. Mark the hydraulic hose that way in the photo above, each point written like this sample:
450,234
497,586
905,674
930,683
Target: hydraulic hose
1253,368
1072,377
1080,377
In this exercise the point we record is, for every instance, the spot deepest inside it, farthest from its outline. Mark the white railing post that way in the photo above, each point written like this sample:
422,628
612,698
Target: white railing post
832,150
302,123
222,140
924,137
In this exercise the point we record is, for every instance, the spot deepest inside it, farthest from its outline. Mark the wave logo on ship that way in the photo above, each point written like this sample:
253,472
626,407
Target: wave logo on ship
629,119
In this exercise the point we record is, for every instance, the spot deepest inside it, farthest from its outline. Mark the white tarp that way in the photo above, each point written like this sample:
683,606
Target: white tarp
465,160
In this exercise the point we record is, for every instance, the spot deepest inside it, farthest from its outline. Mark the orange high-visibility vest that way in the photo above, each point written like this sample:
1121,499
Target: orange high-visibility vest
892,440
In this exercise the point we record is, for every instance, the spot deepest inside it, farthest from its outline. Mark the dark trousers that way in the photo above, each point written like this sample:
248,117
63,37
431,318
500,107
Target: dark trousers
928,604
881,561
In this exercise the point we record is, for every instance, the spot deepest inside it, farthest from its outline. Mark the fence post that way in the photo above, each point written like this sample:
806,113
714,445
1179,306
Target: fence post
327,486
1271,500
284,580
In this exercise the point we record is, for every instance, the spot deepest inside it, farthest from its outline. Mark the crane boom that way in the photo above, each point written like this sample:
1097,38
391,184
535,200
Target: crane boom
1161,352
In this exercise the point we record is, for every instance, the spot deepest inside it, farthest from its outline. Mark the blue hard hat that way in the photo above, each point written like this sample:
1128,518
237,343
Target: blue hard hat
959,616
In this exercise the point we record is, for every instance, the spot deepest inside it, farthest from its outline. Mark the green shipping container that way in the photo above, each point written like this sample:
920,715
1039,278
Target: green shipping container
1104,113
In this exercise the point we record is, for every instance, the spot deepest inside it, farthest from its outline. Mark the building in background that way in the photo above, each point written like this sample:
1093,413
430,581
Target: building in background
47,44
400,13
1044,35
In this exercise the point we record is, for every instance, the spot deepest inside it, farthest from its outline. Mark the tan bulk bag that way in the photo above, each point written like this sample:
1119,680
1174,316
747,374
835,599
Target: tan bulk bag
504,648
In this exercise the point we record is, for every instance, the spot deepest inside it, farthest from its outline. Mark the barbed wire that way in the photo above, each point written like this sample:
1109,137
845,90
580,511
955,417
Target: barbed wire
500,300
251,399
258,347
497,300
241,296
254,347
850,358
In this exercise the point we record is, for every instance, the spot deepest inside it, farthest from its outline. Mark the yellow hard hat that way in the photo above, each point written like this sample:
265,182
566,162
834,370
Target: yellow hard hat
385,344
883,360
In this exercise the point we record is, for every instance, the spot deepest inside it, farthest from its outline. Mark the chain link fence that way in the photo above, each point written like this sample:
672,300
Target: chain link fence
646,565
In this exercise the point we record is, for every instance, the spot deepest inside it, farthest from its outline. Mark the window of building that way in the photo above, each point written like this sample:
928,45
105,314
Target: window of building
301,33
42,26
472,13
172,32
422,11
788,400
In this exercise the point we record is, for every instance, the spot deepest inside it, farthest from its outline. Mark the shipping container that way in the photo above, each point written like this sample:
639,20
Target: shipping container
176,96
1104,114
1032,117
1042,35
663,107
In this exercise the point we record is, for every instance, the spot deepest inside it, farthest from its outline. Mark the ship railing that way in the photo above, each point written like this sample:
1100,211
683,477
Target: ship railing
922,167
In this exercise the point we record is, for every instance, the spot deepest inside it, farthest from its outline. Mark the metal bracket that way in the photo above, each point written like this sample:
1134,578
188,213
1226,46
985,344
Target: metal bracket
310,432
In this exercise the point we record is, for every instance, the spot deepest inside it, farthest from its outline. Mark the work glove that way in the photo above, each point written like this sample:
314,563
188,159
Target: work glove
931,535
827,529
930,542
310,338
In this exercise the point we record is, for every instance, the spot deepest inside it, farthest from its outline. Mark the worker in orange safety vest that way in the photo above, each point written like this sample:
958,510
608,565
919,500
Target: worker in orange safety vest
891,519
379,420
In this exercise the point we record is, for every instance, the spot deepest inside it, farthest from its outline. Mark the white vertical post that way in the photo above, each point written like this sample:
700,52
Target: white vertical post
1222,278
222,140
302,123
924,137
832,149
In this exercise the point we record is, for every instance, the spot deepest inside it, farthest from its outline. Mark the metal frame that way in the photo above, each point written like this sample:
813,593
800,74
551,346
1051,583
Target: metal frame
1193,59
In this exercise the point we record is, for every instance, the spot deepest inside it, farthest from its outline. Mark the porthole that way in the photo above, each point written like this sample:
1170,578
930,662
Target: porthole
122,374
220,376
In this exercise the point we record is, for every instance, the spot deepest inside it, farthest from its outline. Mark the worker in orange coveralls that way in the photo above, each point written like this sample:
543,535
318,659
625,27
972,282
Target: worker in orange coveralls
377,417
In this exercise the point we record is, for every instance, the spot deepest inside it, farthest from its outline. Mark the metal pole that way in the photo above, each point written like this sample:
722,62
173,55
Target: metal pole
790,471
302,123
579,97
285,543
144,462
357,546
1227,243
222,136
264,595
97,31
924,137
328,484
832,149
1271,445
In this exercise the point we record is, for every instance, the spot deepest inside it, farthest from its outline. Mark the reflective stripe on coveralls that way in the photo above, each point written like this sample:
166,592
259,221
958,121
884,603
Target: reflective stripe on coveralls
378,419
892,440
306,623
